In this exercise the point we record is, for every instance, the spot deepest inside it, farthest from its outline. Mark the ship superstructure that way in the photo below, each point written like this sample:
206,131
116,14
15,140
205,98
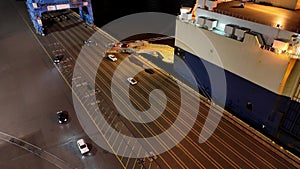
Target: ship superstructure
260,62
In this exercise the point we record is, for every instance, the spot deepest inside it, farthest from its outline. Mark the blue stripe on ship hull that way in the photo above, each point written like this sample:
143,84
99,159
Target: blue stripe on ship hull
267,106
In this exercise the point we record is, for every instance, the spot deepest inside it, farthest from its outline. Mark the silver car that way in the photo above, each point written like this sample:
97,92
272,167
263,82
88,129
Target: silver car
132,81
82,146
112,57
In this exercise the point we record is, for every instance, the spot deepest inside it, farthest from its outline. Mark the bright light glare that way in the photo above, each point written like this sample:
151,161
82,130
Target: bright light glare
185,10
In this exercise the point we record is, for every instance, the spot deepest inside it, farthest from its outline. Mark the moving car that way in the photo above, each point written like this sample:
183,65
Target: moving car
58,58
112,57
87,42
62,116
82,146
132,81
116,44
124,45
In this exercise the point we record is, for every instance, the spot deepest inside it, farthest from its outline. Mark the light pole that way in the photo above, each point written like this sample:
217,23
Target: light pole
278,26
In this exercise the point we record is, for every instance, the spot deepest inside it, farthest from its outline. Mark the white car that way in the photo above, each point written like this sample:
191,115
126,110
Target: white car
132,81
82,146
112,57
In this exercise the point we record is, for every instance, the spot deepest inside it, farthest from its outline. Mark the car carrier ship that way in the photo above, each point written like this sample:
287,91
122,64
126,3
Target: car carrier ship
258,48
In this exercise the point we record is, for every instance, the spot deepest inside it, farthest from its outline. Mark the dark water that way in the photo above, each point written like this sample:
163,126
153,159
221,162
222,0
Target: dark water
109,10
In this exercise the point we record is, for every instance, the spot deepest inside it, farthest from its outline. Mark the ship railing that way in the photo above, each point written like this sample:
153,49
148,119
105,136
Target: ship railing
234,15
263,45
284,27
292,55
286,52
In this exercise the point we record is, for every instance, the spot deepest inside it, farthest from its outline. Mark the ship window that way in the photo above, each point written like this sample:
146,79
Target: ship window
249,106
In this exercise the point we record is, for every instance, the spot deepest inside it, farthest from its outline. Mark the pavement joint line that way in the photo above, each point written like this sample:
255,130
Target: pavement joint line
56,160
33,149
259,136
55,65
245,129
246,126
203,152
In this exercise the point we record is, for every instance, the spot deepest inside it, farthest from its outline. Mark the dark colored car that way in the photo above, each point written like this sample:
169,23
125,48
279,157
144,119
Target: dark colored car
124,45
58,58
62,116
150,71
87,42
117,44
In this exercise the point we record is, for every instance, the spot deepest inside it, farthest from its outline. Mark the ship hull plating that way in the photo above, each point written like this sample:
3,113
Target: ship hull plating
257,106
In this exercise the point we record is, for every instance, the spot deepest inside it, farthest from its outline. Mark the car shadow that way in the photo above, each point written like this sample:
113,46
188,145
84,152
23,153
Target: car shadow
238,6
93,150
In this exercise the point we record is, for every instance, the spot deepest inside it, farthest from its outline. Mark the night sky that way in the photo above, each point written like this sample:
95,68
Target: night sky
108,10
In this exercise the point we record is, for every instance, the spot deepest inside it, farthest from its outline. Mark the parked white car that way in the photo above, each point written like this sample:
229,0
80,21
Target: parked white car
132,81
82,146
112,57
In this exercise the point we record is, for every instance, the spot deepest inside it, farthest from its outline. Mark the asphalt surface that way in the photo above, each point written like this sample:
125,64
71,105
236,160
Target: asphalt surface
28,111
31,92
